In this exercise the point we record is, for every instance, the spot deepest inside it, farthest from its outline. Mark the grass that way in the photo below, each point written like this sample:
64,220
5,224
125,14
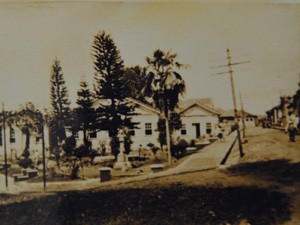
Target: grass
173,205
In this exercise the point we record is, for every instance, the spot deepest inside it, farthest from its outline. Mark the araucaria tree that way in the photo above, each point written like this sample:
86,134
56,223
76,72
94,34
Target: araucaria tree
85,111
113,112
59,105
164,85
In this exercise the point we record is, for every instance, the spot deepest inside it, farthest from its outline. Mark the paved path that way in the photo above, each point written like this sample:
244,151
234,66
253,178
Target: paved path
209,157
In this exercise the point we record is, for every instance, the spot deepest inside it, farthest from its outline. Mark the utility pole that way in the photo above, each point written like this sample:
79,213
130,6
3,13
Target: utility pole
44,155
5,154
236,122
243,117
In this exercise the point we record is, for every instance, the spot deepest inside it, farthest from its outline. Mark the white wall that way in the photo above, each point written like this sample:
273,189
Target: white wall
196,114
17,147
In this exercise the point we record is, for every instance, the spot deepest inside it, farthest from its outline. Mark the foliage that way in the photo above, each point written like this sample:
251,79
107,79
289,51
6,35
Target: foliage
193,143
135,80
178,150
85,111
127,144
74,170
164,84
113,112
153,148
25,163
60,105
69,145
26,153
174,124
115,144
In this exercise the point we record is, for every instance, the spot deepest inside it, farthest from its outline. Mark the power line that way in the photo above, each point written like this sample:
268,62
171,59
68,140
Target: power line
230,72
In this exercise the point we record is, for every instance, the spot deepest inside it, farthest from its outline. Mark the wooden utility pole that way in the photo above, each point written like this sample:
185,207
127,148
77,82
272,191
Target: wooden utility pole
234,103
243,117
4,143
236,122
44,155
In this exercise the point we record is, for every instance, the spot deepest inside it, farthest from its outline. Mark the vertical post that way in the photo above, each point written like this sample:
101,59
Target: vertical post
234,103
44,155
243,117
5,154
168,139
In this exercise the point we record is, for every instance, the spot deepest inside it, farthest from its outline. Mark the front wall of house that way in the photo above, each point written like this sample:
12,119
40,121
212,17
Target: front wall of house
142,136
147,132
203,121
197,116
15,144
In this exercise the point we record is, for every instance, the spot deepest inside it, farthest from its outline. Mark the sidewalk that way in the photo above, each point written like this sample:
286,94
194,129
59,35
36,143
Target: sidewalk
209,157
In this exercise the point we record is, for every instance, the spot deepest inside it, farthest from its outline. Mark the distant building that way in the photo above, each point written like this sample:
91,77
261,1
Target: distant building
227,116
279,113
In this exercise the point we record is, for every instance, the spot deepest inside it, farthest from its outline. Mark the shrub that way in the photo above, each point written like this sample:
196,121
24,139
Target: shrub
193,143
25,163
178,150
153,148
69,145
26,153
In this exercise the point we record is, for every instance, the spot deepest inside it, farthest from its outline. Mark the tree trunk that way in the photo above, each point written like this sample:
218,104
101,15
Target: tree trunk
27,143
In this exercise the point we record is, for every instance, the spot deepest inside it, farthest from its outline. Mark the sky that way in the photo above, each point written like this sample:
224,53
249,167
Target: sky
265,35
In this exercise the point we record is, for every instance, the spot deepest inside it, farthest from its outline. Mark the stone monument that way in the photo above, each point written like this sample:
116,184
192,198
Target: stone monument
122,161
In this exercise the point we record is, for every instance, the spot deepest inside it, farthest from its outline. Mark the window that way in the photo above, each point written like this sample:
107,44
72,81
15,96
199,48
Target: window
148,129
93,134
12,135
0,136
131,132
183,129
208,128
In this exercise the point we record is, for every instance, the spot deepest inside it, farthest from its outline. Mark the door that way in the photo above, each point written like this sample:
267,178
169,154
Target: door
197,129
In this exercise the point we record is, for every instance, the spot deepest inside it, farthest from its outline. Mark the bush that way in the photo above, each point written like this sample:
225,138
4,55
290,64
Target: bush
153,148
25,163
69,145
178,150
26,153
193,143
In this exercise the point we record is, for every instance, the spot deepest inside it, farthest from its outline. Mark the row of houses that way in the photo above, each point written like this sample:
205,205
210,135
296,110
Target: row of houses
199,119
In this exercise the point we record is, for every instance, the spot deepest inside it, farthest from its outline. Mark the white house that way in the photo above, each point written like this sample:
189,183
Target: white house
15,142
197,116
198,119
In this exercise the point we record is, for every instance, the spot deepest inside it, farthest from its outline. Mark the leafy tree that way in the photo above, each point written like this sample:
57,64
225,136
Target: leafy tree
115,113
29,120
174,124
135,80
60,105
85,111
164,84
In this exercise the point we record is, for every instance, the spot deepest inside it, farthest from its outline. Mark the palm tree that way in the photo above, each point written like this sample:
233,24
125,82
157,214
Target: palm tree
164,85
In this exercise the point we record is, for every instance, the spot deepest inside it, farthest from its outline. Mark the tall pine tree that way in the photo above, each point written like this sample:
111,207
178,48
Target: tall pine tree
113,113
60,105
85,111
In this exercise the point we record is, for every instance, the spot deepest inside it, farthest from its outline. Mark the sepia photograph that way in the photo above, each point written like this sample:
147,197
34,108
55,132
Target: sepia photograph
150,112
